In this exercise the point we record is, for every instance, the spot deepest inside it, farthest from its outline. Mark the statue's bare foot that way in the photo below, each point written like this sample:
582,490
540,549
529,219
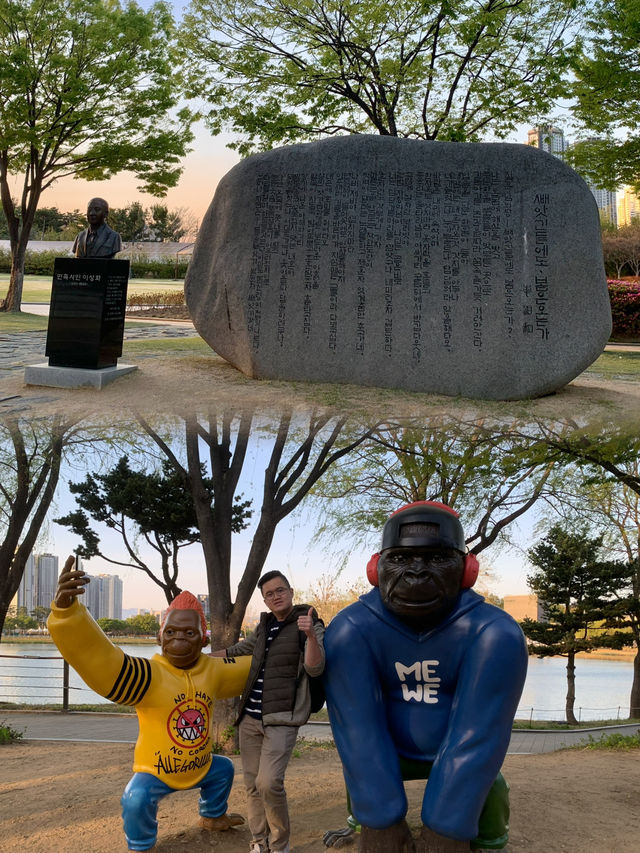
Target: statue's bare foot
430,842
397,838
339,837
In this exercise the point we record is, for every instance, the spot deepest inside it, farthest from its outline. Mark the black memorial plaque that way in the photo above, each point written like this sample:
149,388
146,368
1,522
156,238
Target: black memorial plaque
86,317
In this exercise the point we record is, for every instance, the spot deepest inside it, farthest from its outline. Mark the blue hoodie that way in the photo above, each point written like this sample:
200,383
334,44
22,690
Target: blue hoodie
447,695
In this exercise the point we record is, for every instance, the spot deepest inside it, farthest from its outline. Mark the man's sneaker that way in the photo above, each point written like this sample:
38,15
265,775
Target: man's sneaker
256,847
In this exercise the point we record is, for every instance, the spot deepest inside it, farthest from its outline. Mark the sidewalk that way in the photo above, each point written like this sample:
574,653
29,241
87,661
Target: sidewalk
123,728
19,349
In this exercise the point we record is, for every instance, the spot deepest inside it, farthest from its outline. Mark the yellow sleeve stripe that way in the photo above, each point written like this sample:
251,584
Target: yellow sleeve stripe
132,682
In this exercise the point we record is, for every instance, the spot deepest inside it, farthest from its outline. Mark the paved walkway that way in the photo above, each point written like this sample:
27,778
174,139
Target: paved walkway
123,728
19,349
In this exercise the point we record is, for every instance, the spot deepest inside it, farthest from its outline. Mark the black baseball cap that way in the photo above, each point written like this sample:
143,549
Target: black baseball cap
424,524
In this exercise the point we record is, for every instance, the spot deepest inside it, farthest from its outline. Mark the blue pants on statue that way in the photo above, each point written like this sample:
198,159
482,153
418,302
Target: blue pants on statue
144,792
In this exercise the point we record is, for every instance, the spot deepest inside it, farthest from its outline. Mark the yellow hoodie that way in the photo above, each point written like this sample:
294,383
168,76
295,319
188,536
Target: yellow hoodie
174,706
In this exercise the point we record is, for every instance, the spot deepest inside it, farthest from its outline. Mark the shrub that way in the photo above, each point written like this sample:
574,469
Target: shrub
155,299
616,740
8,735
143,267
41,263
625,308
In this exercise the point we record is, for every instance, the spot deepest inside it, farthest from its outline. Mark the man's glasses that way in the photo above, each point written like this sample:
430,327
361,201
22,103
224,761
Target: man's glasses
269,596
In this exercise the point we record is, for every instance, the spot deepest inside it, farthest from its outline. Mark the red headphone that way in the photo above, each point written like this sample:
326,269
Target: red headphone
471,565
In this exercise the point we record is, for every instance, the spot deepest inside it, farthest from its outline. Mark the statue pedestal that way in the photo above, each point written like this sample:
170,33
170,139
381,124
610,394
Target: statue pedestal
86,316
74,377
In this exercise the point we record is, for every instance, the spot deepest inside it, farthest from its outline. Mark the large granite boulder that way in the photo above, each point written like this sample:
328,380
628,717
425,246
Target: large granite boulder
452,268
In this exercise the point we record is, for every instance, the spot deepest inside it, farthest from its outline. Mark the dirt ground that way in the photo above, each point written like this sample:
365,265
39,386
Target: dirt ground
185,380
65,797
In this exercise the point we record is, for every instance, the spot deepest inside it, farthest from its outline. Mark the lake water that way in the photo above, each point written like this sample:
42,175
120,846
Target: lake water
38,679
602,686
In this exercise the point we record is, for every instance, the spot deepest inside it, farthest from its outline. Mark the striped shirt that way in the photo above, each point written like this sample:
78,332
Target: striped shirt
254,702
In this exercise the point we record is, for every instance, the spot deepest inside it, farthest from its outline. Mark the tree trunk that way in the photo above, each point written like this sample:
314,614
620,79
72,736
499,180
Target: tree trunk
225,735
634,704
33,495
19,229
13,299
571,689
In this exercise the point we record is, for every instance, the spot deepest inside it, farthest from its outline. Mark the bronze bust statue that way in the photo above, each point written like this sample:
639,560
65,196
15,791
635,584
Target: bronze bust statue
98,240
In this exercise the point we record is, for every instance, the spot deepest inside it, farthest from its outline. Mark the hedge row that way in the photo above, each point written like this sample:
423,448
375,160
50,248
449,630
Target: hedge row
155,299
625,308
41,263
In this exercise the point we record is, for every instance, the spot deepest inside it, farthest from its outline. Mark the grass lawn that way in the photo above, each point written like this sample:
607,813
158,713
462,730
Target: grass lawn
22,323
37,288
162,346
617,365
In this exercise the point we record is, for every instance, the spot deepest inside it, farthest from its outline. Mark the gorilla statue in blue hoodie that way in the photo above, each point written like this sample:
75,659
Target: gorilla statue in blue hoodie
423,679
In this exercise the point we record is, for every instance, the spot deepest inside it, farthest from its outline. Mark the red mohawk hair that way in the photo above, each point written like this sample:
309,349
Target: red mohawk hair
187,601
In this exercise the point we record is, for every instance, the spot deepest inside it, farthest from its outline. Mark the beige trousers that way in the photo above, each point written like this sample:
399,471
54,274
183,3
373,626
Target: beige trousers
265,752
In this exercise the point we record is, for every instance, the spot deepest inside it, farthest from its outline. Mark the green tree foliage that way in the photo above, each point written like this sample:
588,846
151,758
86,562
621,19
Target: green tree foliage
112,626
621,249
607,94
87,88
277,72
155,507
20,621
480,470
31,453
605,455
136,223
144,624
41,614
133,222
166,225
130,222
49,224
575,590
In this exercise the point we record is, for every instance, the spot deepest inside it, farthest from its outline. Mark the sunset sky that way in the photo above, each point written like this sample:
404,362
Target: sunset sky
203,168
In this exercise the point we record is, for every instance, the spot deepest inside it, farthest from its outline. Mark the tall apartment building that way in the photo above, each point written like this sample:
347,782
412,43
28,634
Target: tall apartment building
26,595
607,202
39,582
628,206
103,596
47,579
547,138
111,596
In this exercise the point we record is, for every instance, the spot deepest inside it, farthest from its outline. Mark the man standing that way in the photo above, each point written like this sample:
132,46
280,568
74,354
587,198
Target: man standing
287,643
98,240
423,680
